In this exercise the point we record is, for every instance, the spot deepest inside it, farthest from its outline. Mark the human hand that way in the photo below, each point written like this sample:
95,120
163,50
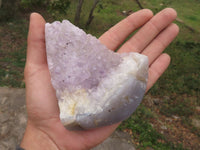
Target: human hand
44,128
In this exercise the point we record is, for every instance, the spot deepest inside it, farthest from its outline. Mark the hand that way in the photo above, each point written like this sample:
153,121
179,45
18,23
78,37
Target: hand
44,128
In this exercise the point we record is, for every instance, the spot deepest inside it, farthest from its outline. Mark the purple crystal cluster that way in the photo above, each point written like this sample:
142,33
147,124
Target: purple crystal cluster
80,61
94,85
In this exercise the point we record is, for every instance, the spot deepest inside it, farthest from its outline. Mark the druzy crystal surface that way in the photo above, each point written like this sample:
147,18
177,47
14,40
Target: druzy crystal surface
94,86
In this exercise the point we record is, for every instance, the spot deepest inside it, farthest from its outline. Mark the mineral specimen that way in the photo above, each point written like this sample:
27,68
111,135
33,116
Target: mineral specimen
94,86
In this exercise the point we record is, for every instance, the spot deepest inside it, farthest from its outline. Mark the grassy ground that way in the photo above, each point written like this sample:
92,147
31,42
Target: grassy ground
12,52
165,118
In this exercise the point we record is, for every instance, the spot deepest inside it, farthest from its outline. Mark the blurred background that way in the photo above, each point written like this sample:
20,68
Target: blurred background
169,116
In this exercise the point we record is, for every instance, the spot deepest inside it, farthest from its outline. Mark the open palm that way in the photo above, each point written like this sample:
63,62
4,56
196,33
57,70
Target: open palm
44,128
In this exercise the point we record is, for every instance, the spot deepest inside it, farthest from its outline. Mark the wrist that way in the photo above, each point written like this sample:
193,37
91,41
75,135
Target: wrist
36,139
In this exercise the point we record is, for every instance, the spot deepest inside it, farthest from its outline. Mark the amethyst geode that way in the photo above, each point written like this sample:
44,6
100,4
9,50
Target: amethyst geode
94,86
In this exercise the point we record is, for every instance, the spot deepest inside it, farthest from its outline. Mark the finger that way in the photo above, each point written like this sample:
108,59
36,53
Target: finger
149,31
41,98
117,34
161,42
157,69
36,40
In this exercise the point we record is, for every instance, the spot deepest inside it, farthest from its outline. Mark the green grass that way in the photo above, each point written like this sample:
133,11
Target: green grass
181,107
188,11
11,73
13,52
144,133
182,76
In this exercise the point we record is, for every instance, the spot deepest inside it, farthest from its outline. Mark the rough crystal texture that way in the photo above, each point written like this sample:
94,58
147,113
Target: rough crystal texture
94,86
80,53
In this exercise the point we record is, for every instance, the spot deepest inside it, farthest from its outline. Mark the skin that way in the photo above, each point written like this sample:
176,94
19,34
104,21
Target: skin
44,129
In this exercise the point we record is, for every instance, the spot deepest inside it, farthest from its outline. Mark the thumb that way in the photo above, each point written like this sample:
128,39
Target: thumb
40,96
36,54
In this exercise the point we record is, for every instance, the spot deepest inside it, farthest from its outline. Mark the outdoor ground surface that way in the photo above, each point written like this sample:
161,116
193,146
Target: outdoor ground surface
169,116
